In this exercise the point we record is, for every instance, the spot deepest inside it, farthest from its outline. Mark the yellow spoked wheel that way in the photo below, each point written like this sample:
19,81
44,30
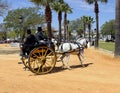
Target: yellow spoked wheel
42,60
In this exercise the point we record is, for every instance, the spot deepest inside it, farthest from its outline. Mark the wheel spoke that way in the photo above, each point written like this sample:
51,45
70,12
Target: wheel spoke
39,68
50,53
46,52
46,68
42,60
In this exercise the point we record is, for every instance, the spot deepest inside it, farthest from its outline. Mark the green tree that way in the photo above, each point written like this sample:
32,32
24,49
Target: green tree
117,30
12,34
84,23
48,13
108,28
96,10
58,7
90,20
66,9
3,32
30,17
76,25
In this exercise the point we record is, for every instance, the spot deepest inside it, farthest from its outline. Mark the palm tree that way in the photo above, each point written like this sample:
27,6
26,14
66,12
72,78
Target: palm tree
84,22
117,33
66,9
58,7
48,13
96,10
89,23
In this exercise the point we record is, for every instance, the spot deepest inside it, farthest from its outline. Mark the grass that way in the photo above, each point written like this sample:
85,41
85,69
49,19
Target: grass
110,46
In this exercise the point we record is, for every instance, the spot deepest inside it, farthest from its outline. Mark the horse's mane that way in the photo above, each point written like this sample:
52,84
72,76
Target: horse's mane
80,39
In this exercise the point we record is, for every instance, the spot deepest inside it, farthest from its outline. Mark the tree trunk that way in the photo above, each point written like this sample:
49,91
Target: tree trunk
49,31
117,31
65,26
97,31
60,19
84,30
96,10
67,29
89,28
48,15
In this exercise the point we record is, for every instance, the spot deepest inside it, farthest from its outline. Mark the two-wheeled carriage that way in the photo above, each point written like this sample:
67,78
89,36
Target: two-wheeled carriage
41,59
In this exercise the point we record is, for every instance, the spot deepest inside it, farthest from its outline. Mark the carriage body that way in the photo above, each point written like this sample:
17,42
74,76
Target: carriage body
41,59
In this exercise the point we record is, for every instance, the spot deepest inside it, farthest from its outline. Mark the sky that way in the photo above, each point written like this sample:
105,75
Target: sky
79,8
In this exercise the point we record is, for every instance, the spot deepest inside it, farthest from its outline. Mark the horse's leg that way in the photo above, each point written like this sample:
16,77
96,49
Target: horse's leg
81,61
82,53
61,58
56,47
67,60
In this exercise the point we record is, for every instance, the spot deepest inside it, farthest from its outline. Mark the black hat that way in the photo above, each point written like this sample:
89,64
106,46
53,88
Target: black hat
28,31
39,29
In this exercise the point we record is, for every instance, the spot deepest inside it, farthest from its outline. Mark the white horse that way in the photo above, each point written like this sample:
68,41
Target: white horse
76,48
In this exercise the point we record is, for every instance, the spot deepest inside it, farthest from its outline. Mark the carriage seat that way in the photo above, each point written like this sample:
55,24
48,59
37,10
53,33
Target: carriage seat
45,42
41,43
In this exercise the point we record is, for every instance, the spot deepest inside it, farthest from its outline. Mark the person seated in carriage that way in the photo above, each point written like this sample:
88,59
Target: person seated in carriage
39,35
32,41
42,39
29,43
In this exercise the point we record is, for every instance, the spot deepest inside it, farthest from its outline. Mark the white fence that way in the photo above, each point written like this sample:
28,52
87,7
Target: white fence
14,44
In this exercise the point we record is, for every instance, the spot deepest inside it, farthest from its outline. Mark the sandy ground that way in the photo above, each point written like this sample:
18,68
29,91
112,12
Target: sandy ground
101,74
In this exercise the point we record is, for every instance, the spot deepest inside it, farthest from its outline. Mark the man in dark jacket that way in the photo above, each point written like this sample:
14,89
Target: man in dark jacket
39,35
29,42
42,39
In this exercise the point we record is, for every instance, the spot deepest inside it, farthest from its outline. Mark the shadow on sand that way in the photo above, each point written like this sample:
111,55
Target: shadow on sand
59,69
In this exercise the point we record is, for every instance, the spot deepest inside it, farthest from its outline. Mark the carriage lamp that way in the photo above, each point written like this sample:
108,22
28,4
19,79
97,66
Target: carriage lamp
20,19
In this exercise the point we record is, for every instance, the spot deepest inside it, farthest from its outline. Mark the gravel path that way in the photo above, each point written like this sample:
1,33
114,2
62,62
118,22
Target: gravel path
101,75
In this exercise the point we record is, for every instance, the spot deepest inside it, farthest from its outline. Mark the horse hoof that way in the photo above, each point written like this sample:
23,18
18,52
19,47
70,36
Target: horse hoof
63,67
69,68
83,66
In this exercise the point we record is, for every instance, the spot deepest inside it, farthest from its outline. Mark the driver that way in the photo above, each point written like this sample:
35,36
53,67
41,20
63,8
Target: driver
29,42
39,35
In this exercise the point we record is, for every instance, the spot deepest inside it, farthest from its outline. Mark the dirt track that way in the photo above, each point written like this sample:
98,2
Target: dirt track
101,75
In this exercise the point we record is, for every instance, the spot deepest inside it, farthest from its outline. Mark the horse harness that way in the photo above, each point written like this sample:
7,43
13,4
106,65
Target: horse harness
73,50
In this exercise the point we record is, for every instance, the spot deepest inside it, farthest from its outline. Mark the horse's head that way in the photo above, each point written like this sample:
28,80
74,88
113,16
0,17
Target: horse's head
83,42
54,41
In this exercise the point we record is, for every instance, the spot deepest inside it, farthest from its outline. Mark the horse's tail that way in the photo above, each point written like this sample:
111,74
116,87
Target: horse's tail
86,44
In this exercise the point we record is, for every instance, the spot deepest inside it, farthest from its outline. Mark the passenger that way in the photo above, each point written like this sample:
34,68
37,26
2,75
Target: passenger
39,35
42,39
